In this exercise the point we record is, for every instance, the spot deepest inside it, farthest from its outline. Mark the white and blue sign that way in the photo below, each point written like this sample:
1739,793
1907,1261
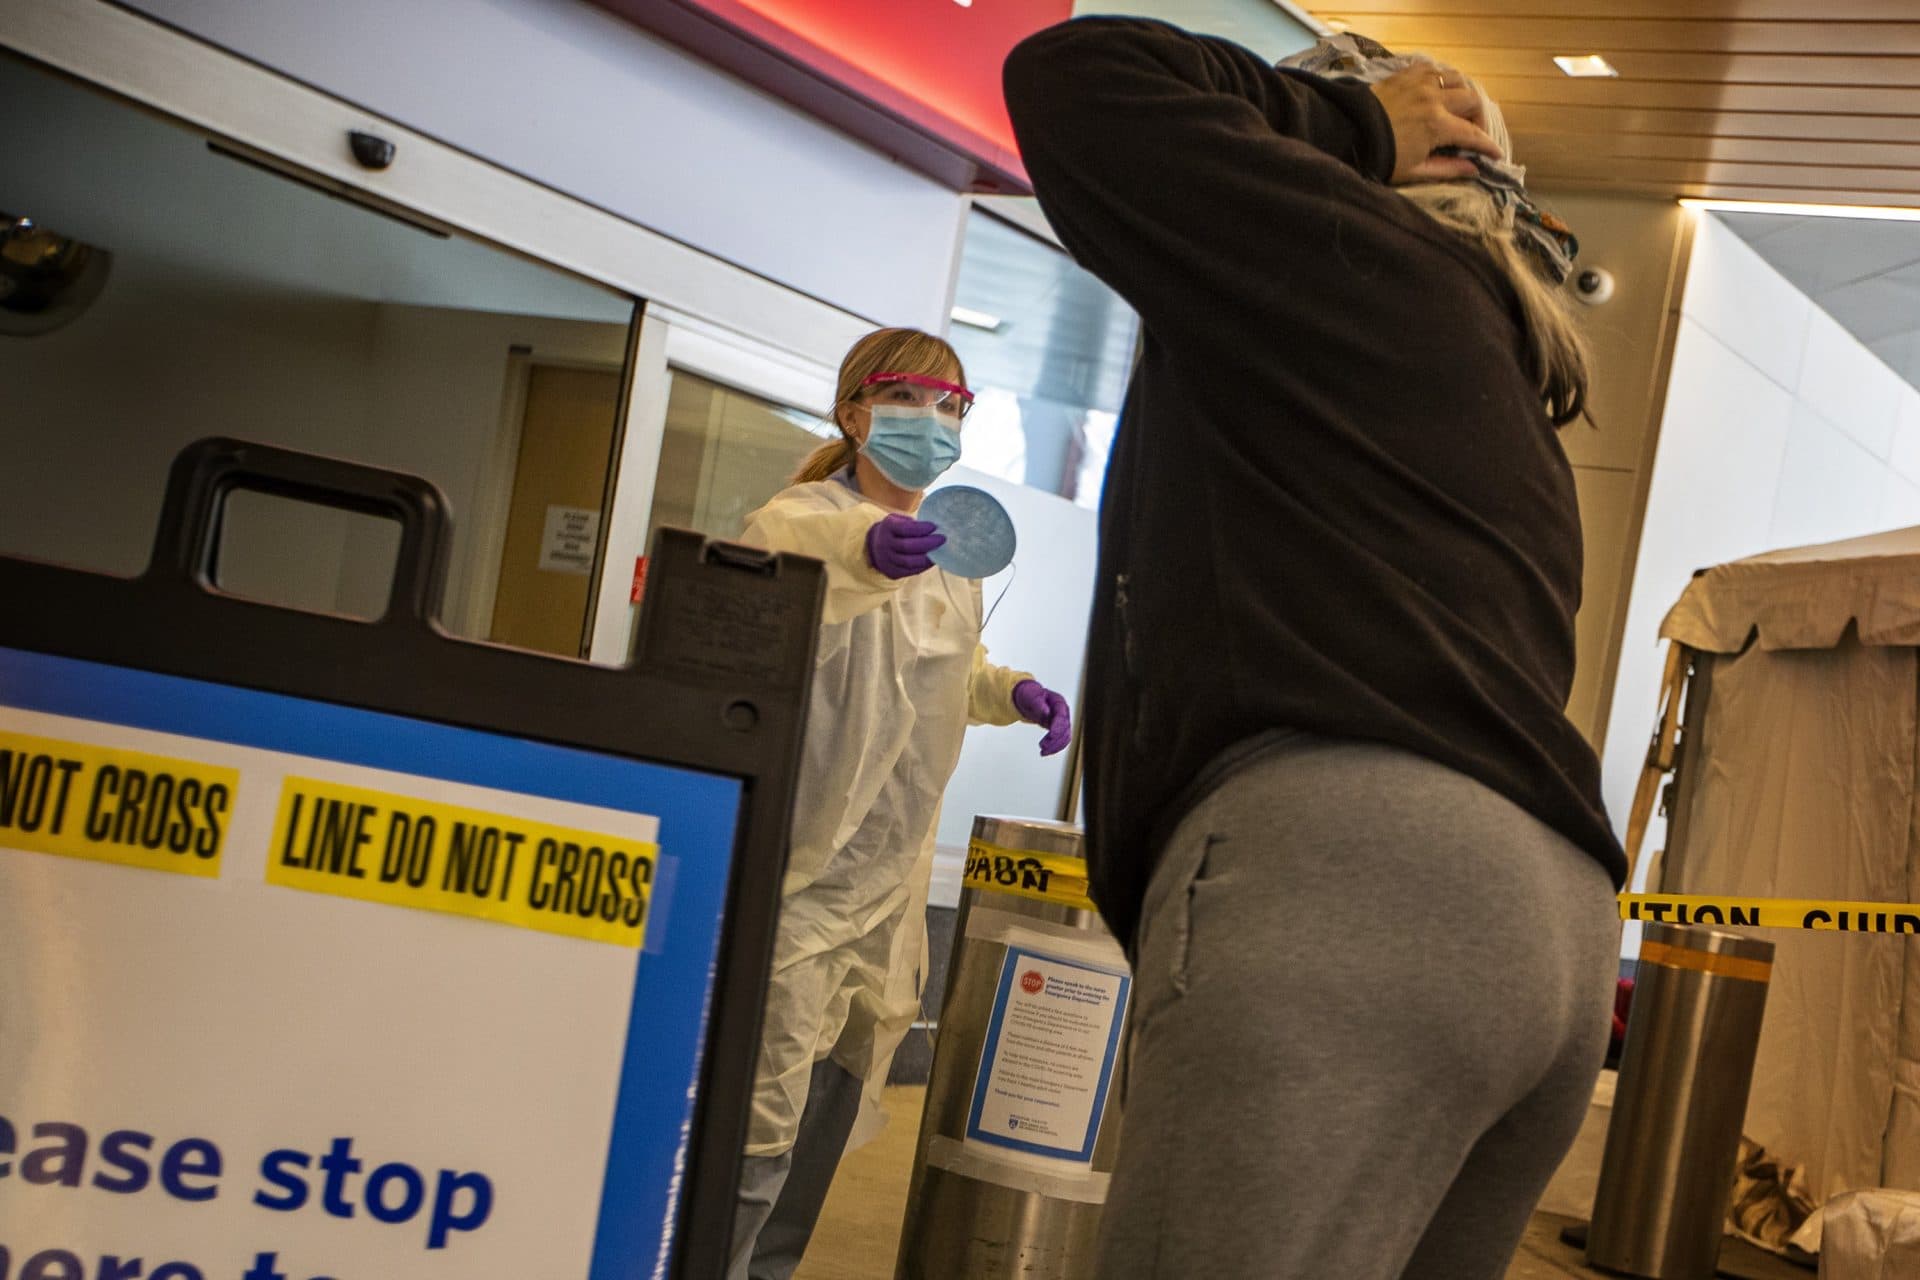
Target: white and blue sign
1047,1065
296,991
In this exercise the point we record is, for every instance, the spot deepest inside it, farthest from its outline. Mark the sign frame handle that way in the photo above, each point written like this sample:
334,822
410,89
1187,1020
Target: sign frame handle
207,472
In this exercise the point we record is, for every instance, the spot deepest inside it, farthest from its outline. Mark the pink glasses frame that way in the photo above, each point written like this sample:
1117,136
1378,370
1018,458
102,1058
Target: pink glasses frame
918,380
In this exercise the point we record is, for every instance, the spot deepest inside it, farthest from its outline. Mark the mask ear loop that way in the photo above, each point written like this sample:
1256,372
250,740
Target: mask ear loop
1013,571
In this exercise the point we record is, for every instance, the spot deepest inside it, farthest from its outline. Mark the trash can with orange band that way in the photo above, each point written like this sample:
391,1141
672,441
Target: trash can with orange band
1667,1173
1023,1106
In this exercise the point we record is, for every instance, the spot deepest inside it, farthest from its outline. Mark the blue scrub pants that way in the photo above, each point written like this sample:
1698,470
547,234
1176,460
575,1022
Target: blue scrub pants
781,1196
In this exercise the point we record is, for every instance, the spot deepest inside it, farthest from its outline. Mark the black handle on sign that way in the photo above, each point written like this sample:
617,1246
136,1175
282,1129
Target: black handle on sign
206,472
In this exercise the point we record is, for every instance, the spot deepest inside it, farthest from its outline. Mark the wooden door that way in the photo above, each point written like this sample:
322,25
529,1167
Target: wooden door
553,520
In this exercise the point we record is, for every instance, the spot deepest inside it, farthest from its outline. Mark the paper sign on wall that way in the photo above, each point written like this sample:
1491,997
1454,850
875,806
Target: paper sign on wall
571,536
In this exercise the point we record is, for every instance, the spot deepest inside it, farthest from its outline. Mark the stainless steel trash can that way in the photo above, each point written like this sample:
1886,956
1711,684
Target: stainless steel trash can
1667,1173
1023,1107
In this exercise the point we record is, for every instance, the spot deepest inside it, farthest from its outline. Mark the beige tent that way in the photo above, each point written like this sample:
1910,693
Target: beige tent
1799,777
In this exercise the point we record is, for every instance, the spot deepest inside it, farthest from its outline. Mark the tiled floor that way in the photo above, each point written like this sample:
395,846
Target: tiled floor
860,1228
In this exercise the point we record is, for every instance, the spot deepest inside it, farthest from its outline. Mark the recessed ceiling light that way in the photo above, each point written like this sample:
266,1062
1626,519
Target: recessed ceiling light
976,319
1877,213
1585,65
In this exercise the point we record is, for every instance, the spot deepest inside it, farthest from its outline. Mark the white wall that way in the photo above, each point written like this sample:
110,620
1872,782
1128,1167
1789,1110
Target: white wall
94,413
579,100
1039,626
1780,430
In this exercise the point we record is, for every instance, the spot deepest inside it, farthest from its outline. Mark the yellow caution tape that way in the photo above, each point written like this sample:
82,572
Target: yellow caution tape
1062,879
407,852
1722,966
1045,877
1772,913
108,805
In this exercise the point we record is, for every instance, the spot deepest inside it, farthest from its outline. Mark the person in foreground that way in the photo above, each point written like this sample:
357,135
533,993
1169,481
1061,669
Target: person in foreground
899,675
1335,808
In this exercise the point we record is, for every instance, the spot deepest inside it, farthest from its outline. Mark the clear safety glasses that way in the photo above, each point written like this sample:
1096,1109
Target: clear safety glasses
919,391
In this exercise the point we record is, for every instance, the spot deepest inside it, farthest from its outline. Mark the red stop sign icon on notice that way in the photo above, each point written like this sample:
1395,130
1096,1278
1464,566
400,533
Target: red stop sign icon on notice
1031,982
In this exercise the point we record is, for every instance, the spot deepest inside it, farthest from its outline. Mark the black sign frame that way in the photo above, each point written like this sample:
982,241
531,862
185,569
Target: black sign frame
719,684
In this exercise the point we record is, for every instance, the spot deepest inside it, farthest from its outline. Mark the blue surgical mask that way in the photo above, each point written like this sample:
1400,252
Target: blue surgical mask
912,445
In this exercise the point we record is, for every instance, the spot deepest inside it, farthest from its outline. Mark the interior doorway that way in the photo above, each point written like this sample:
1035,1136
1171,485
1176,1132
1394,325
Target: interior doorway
568,431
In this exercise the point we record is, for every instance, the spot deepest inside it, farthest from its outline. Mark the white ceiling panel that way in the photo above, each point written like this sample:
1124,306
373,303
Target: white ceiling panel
1875,309
1863,272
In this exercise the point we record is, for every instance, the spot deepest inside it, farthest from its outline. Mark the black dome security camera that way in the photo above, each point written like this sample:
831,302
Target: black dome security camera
371,150
46,279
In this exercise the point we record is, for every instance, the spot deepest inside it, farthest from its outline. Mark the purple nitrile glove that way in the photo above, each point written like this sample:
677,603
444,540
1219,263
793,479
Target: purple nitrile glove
1040,705
897,545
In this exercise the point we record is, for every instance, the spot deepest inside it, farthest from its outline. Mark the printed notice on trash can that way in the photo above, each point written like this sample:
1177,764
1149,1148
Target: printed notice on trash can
1048,1060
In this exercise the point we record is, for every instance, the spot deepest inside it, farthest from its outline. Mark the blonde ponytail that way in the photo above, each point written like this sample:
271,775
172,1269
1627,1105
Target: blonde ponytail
827,461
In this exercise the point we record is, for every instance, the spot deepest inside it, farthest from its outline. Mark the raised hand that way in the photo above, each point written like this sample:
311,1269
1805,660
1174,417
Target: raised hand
1431,106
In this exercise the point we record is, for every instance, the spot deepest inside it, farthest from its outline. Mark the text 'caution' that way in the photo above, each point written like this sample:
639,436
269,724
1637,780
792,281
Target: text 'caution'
108,805
406,852
1772,913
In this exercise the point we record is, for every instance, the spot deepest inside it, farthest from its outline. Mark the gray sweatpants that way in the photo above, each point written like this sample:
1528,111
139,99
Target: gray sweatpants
1371,1002
781,1196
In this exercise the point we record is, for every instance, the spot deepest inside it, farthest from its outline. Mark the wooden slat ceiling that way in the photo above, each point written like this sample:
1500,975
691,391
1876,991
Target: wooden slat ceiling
1803,100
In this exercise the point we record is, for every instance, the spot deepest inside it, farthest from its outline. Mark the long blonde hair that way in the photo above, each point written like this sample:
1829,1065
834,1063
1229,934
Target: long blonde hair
1556,350
882,351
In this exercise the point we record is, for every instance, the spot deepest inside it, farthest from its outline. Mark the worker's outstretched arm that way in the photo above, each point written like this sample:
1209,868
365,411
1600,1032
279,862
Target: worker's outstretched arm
837,537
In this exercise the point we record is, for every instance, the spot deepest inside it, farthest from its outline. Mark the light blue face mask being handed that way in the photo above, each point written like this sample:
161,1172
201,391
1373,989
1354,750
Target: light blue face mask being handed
912,445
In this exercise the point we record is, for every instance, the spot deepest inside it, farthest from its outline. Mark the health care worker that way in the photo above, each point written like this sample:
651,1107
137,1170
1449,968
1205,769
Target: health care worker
900,674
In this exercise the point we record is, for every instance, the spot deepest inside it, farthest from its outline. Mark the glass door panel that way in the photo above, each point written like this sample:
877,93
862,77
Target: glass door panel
157,288
724,453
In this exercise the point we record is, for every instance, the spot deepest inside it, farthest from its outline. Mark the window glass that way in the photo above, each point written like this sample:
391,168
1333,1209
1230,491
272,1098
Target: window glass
724,454
1048,350
156,288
